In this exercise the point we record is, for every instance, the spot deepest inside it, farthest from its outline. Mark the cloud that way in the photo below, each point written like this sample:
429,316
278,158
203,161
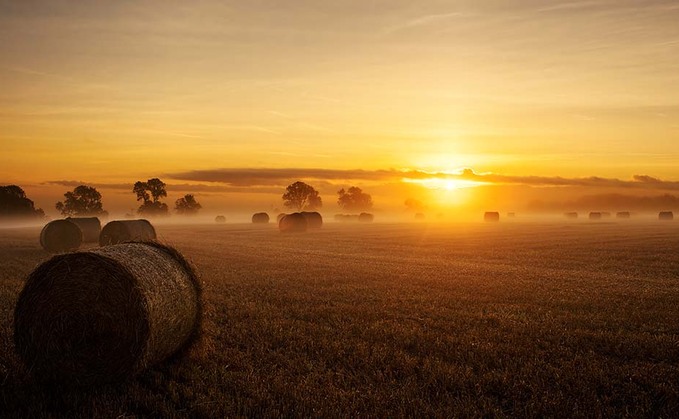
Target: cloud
248,177
171,187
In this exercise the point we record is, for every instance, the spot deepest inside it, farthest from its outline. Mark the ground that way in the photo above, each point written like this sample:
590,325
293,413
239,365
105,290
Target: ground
512,319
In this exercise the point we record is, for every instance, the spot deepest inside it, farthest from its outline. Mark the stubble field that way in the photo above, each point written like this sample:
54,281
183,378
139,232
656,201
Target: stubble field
511,319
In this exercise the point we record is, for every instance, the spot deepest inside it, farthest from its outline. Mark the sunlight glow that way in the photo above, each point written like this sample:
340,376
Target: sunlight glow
445,184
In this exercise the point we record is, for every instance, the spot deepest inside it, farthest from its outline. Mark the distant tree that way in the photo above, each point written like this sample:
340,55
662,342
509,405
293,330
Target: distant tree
414,204
83,201
14,203
354,199
301,197
150,193
187,205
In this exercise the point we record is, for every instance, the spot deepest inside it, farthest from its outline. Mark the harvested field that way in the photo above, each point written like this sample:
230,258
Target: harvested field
500,319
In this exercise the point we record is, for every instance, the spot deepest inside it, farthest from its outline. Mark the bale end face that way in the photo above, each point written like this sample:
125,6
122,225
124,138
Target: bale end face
260,218
61,236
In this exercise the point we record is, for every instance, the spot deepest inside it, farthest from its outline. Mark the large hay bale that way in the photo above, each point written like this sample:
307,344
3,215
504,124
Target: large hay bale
60,236
623,215
594,215
102,316
491,216
220,219
314,219
571,215
260,218
366,217
293,223
117,232
90,227
666,216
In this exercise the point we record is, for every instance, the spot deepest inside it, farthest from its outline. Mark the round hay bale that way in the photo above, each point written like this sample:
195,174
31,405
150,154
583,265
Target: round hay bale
60,236
293,223
666,216
260,218
511,215
623,215
220,219
314,219
365,217
419,216
594,215
90,227
279,216
117,232
102,316
571,215
491,216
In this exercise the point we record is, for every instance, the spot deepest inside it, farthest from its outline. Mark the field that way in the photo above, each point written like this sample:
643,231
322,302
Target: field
512,319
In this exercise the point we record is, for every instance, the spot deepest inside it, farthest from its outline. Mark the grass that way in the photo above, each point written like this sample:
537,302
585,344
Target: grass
509,319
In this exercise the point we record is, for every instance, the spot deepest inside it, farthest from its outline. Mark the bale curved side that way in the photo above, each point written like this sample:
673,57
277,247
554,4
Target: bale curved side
90,227
60,236
293,223
314,219
666,216
366,217
102,316
123,231
260,218
491,216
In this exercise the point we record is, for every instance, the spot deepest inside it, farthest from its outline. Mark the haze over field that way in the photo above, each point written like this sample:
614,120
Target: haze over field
464,105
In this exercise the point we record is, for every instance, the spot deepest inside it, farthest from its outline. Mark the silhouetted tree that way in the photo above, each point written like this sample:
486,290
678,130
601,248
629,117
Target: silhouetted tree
150,192
83,201
301,197
14,203
187,205
354,199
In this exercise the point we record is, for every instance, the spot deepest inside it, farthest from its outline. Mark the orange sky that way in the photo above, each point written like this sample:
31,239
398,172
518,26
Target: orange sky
108,93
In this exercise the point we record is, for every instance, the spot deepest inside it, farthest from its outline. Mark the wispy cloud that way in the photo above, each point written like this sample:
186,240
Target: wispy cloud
247,177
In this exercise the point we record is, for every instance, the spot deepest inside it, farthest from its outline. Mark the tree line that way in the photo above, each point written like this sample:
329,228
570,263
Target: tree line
85,200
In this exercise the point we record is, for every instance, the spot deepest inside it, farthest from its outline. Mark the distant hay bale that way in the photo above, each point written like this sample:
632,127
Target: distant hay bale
279,216
220,219
117,232
314,219
61,236
366,217
260,218
102,316
491,216
511,215
594,215
623,215
293,223
419,216
666,216
571,215
90,227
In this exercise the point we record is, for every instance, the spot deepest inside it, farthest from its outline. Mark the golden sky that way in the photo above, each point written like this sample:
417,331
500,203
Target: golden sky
108,93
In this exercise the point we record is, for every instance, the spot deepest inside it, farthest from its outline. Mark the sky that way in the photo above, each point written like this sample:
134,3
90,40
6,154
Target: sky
496,102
